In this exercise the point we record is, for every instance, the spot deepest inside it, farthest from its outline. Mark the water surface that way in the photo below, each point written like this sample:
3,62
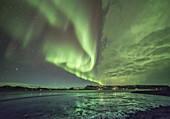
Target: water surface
75,104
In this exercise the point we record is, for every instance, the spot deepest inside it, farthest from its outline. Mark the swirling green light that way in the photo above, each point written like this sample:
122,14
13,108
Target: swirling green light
66,55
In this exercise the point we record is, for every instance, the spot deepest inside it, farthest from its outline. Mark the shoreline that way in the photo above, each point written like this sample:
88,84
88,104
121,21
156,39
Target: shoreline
161,112
160,92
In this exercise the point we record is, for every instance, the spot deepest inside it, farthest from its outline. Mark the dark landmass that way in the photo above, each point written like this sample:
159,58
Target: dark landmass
162,112
144,89
127,87
20,88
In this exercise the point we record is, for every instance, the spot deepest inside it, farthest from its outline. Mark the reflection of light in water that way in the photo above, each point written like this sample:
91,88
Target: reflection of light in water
101,98
101,95
90,104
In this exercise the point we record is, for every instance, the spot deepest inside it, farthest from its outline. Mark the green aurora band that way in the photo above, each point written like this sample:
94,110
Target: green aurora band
76,12
58,44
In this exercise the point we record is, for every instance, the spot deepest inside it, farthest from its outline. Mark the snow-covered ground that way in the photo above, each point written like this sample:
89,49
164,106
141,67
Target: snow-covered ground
86,105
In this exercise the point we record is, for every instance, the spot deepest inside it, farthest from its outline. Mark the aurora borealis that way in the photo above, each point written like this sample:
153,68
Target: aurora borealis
66,43
76,14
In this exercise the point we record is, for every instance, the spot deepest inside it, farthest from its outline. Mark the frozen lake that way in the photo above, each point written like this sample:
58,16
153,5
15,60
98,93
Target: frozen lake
75,105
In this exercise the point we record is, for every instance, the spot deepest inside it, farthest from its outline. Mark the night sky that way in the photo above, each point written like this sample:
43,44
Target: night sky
74,43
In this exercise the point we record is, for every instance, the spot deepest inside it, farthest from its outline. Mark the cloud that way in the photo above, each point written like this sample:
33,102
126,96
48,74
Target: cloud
138,41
